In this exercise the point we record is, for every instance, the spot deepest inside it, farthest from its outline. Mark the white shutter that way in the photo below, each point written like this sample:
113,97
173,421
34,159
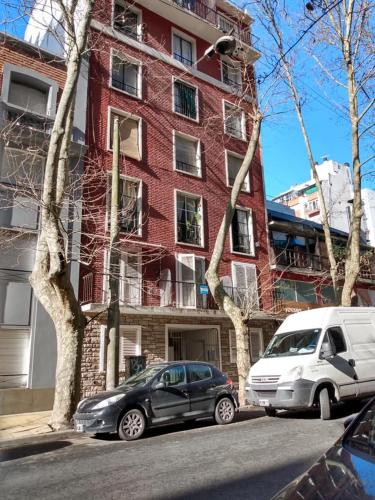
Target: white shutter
14,357
102,349
130,279
232,347
256,343
186,280
200,279
165,288
128,346
245,285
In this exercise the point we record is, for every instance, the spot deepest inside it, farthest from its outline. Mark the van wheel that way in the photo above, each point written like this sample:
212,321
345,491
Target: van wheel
270,412
325,404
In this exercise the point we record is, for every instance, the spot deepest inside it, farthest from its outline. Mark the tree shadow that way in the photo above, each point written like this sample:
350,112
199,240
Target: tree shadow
28,450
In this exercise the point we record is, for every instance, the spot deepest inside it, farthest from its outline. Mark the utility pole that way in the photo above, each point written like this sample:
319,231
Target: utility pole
113,318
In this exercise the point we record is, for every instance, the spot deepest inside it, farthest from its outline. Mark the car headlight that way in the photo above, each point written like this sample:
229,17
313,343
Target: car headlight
108,402
292,375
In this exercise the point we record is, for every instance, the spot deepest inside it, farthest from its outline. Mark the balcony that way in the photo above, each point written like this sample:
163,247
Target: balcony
163,293
299,259
205,22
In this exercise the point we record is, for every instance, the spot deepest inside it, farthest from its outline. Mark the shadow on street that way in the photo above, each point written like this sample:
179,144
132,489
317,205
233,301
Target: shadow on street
26,450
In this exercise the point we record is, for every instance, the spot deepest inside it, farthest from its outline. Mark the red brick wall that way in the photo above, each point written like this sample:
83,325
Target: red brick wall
156,167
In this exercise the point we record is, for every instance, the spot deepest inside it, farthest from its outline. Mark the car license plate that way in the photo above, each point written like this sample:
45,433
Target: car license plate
79,428
264,402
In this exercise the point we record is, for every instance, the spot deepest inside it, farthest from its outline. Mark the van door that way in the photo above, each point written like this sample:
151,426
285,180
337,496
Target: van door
339,368
362,338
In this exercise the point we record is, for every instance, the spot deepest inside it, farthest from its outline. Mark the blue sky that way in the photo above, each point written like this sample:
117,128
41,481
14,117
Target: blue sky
284,155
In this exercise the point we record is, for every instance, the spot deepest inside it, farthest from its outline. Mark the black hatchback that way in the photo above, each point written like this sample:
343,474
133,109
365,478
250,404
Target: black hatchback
163,393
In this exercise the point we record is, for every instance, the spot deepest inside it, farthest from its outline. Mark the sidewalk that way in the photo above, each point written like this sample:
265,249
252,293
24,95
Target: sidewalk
24,425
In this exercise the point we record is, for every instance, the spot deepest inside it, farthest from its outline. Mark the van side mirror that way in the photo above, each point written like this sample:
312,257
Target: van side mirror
327,351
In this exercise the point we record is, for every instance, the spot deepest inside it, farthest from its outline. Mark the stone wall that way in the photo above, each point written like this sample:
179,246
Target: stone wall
153,343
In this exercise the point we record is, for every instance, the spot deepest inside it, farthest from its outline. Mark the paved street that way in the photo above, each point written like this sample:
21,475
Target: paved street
252,458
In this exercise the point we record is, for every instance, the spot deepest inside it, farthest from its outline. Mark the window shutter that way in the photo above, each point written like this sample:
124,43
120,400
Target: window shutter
29,98
186,151
129,136
128,346
186,296
252,285
232,346
256,343
131,279
165,288
102,349
246,288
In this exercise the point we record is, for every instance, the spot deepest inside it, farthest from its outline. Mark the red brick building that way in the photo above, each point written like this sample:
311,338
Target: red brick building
184,127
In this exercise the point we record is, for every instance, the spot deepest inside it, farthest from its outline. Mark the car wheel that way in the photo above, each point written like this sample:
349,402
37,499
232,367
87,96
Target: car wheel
270,412
224,411
325,404
132,425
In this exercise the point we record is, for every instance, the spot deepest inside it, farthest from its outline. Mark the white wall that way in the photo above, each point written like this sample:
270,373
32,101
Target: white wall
368,200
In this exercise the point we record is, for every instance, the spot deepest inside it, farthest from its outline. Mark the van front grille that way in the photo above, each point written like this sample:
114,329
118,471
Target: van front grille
265,379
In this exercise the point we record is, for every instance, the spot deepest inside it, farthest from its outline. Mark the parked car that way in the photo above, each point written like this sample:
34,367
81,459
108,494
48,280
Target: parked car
346,471
162,393
316,358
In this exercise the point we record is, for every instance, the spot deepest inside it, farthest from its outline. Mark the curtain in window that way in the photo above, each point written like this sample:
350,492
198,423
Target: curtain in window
129,205
129,136
186,154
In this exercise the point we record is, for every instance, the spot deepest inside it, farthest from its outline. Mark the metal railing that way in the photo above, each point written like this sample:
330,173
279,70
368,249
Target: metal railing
297,258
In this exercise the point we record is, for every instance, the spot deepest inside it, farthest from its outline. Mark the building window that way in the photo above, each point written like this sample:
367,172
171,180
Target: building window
130,206
231,74
242,232
190,271
245,285
234,121
129,345
187,154
185,100
130,278
127,20
28,93
296,291
183,50
126,75
189,219
130,135
234,163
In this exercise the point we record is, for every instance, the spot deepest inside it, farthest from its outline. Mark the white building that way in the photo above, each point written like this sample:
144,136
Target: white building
368,203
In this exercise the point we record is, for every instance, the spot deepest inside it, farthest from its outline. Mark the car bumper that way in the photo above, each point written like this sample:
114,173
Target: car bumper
295,394
104,420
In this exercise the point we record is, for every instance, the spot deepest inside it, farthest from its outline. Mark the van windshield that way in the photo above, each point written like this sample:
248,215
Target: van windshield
293,343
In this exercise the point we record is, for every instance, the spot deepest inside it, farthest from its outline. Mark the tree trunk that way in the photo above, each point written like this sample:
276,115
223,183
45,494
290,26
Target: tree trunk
222,299
50,277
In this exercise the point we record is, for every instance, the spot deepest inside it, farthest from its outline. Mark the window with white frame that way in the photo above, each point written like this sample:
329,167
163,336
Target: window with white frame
127,20
185,99
130,205
190,272
234,121
245,285
130,276
242,231
187,154
234,163
129,345
130,134
231,74
189,219
183,50
28,93
126,75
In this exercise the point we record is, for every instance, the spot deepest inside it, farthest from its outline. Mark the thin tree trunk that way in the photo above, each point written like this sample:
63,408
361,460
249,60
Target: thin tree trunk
113,321
222,299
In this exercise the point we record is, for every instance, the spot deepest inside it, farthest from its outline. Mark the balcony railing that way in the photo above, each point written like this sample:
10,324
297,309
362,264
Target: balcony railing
28,120
224,24
297,258
168,293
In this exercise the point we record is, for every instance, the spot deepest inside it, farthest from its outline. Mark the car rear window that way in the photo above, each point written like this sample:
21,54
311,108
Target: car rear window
361,438
199,372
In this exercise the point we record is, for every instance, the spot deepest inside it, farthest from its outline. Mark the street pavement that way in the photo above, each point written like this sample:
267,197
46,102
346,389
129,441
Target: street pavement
252,458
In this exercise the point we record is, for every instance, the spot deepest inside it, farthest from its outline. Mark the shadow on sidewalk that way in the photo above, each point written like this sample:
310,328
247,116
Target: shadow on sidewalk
31,449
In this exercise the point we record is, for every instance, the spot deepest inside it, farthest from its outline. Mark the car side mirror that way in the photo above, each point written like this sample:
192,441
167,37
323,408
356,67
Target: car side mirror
327,351
159,385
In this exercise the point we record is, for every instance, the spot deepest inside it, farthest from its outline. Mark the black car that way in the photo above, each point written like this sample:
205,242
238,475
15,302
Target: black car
346,471
162,393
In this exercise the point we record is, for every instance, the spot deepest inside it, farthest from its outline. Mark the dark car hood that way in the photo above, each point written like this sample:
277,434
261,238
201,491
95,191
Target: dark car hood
93,400
339,474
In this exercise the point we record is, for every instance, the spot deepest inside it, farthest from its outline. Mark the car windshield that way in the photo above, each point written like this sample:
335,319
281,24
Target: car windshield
142,377
361,438
293,343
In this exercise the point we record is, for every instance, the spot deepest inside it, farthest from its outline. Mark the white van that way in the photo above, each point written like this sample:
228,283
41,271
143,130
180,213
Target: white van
316,357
